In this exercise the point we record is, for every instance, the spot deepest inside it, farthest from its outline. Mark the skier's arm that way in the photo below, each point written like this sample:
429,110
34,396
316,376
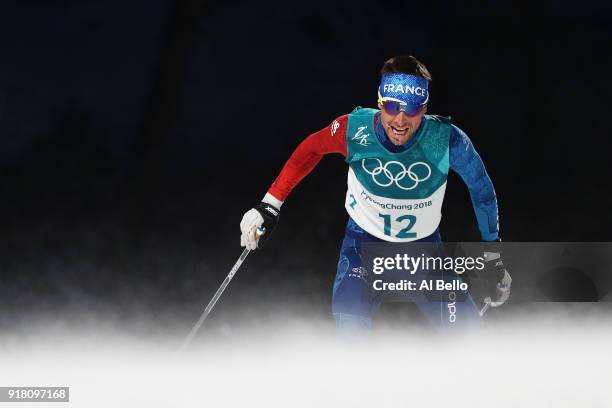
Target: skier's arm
331,139
467,163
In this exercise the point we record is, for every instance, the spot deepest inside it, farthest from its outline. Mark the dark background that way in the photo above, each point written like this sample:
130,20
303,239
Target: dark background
135,134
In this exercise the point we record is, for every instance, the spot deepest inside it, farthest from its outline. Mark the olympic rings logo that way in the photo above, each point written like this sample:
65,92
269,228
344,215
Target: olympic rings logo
417,172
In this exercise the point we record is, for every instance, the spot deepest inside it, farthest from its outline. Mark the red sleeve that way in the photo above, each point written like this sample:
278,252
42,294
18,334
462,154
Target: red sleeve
330,139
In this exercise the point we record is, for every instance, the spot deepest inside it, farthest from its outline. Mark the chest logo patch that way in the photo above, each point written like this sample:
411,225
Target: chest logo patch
361,138
394,172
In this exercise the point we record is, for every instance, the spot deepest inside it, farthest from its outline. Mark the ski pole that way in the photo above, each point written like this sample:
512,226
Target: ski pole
218,293
487,304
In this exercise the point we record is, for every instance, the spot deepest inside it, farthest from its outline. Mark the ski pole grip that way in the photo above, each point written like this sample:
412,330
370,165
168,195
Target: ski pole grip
260,231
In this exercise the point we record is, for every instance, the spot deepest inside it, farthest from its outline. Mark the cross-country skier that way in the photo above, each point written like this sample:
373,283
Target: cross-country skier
398,160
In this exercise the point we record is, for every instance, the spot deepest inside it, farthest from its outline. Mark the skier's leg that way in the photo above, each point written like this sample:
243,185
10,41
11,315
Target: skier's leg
352,325
449,309
353,300
445,309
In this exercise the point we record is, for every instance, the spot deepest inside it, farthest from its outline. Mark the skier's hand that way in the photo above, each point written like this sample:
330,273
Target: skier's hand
264,217
499,280
503,290
251,221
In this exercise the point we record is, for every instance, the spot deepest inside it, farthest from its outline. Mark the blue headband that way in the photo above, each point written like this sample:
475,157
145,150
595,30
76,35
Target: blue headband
410,89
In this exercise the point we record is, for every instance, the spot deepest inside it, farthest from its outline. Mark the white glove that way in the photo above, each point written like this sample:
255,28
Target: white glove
503,290
262,217
498,276
251,220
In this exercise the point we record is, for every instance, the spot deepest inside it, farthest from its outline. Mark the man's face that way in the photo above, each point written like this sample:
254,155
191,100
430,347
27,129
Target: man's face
399,128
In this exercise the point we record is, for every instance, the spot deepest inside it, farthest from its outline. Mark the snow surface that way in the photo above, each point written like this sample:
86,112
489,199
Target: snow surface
544,362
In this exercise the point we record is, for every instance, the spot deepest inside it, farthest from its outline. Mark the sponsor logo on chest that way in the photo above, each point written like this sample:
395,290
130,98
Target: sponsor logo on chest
360,137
